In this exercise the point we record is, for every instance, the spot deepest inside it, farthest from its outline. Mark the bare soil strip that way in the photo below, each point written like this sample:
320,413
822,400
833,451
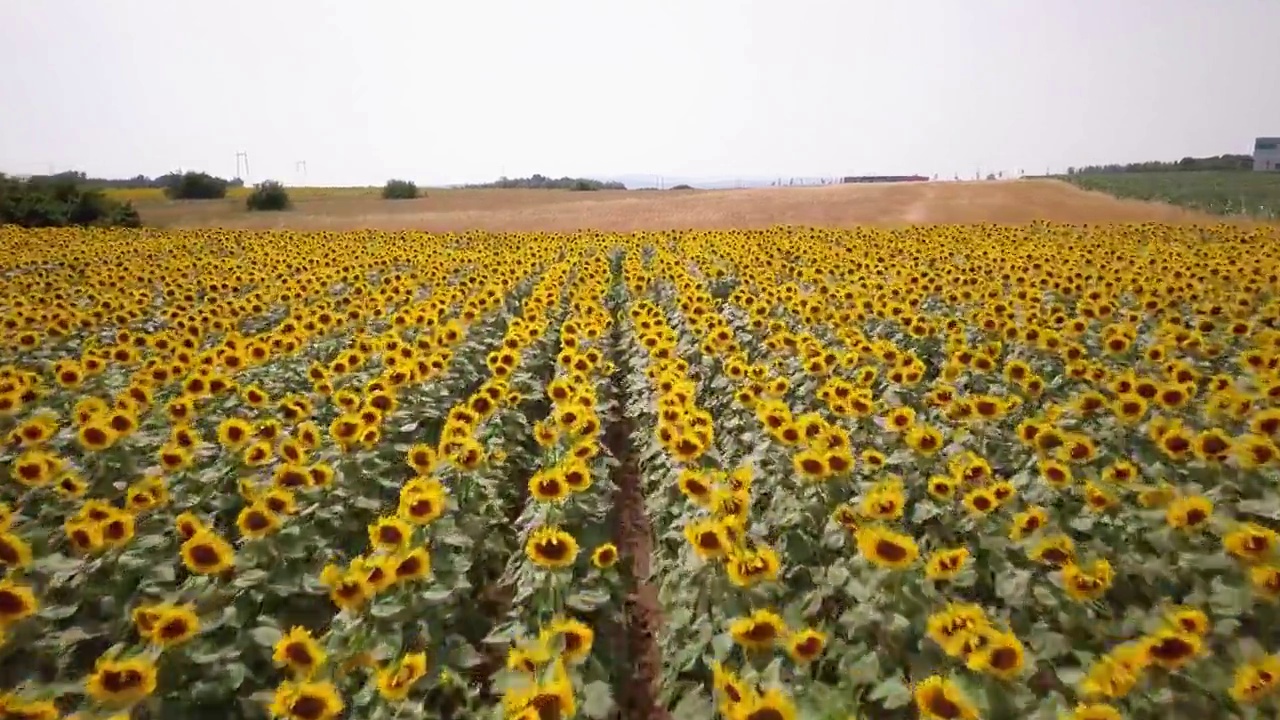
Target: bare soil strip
642,612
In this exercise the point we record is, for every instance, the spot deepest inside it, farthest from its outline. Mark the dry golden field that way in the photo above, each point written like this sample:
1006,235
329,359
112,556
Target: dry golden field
556,210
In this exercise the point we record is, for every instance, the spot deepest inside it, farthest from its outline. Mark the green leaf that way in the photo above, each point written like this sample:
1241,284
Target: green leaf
587,600
597,700
266,635
892,693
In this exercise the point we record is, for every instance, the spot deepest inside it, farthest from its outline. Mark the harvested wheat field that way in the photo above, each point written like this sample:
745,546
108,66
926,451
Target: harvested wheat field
1016,201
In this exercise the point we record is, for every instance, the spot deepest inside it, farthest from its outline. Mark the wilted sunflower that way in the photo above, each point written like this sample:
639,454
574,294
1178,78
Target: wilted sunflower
121,683
938,698
206,553
758,631
300,652
306,701
552,548
886,548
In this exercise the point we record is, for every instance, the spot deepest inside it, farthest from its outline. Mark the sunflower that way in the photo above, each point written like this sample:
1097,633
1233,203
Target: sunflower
15,553
206,553
548,485
1256,679
924,440
1188,620
300,652
1212,445
121,683
397,679
573,637
707,538
551,548
729,688
258,453
234,433
1171,649
980,501
117,528
349,590
1095,711
751,566
770,705
172,625
952,627
886,548
1251,542
939,698
1054,551
412,565
900,419
946,564
810,464
96,435
257,521
390,533
307,701
695,486
759,630
552,698
1001,655
604,556
16,602
806,645
942,487
422,501
1191,512
1087,584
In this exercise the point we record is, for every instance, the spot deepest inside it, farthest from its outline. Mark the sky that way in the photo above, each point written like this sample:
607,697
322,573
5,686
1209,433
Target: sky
446,92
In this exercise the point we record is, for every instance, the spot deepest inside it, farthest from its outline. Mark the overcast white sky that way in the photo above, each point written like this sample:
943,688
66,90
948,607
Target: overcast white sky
450,91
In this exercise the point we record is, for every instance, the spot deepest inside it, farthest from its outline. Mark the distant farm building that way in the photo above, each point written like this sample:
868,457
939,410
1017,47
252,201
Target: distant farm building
1266,153
883,178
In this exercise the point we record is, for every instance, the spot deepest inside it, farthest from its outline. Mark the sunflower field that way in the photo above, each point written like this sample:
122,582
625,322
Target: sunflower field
948,472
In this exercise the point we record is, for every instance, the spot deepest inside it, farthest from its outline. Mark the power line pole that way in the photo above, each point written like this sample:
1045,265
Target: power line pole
241,155
301,166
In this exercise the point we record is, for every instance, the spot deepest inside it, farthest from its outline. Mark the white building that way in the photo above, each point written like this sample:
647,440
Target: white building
1266,153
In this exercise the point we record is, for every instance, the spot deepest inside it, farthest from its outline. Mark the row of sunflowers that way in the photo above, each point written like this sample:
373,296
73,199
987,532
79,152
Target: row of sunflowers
948,472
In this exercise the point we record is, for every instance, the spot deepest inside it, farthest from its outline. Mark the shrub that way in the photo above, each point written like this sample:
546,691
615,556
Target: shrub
584,186
194,186
399,190
681,187
268,195
59,203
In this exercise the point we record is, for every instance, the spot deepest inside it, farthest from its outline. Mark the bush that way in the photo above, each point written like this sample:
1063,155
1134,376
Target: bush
681,187
59,203
584,186
194,186
399,190
268,195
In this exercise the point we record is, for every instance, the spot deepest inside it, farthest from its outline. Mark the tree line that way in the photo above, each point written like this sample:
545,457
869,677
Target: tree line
1215,162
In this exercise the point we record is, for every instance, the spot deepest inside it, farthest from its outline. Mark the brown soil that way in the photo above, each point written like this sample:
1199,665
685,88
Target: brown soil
1011,201
642,612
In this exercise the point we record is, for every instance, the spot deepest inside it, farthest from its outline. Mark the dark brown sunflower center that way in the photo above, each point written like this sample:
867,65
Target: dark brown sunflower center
890,551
